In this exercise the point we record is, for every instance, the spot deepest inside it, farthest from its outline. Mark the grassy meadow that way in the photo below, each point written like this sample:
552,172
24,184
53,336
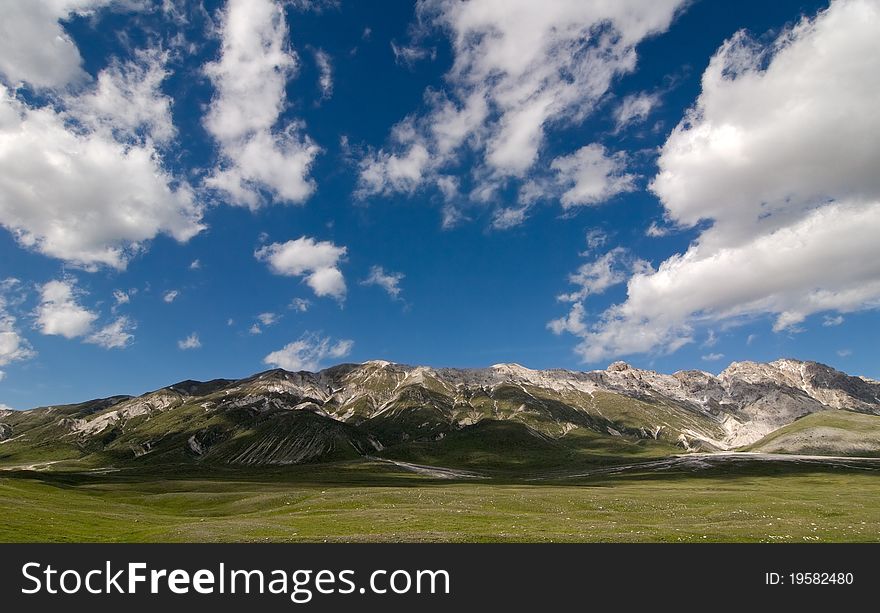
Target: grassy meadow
370,501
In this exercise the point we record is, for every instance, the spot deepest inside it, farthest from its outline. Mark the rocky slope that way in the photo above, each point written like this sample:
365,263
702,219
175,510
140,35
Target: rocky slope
378,408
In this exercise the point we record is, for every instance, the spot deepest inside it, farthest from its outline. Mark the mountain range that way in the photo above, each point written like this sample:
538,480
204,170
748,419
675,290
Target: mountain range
505,416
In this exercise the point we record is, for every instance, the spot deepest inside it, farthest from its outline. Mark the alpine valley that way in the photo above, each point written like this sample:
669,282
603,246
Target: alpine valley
785,451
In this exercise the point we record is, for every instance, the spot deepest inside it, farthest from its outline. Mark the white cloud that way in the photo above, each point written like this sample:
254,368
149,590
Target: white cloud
830,321
573,323
268,319
634,109
711,339
519,66
325,73
83,180
60,314
595,238
327,282
844,353
127,100
80,195
452,216
386,173
712,357
195,264
115,335
13,347
190,342
121,297
255,329
780,153
35,48
408,55
316,261
612,268
258,154
655,230
300,305
505,218
308,353
170,296
389,281
592,176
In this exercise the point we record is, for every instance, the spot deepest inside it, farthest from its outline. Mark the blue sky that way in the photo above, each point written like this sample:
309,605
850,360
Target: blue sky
209,191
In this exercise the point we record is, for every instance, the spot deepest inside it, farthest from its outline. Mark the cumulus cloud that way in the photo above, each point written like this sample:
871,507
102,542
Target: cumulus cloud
170,296
115,335
13,346
591,176
389,281
317,262
308,353
712,357
190,342
258,152
778,160
82,196
300,305
34,48
84,180
59,312
573,322
128,101
832,320
519,66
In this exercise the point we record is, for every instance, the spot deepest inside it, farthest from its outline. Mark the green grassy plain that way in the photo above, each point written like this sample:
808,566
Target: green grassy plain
364,501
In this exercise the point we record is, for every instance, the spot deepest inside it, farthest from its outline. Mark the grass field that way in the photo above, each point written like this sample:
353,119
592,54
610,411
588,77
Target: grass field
373,502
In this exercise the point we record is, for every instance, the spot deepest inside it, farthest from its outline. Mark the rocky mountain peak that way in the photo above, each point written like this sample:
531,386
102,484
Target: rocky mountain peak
377,363
618,366
512,368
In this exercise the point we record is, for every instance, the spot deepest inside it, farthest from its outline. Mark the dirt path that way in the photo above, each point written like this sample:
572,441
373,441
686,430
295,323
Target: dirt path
702,461
438,472
35,466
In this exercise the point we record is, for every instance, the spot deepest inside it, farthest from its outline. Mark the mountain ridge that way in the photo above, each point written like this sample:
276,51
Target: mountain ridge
348,410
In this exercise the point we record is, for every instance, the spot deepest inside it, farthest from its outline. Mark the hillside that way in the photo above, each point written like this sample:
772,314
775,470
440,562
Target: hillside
830,433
